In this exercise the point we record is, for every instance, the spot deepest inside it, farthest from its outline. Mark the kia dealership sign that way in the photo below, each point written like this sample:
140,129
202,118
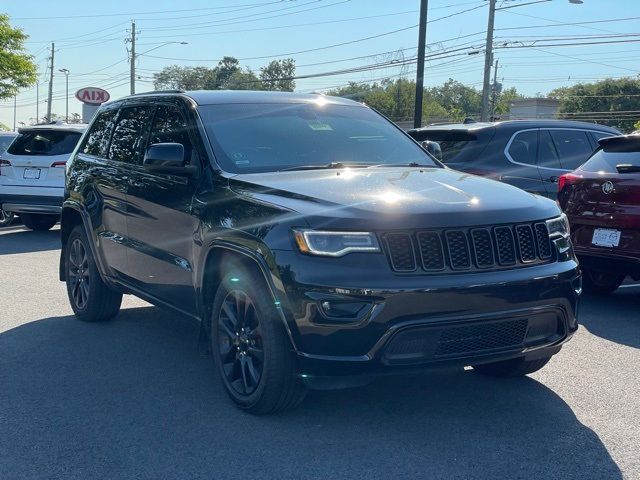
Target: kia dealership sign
92,95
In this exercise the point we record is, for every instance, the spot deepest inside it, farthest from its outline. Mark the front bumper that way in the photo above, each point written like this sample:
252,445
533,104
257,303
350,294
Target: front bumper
22,203
424,320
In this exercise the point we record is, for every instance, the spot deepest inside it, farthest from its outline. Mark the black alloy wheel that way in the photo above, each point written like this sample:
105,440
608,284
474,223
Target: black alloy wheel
240,345
79,273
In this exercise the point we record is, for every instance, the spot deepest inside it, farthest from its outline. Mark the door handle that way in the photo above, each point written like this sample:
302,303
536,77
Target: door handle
553,179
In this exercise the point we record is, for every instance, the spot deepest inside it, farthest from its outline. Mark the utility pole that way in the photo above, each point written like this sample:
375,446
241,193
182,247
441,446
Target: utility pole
494,94
422,44
132,74
37,101
488,60
49,96
15,106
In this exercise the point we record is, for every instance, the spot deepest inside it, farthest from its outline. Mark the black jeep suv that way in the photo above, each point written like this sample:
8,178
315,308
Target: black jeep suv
317,243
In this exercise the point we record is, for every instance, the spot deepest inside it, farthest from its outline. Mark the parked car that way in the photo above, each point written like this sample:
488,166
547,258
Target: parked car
602,201
5,140
529,154
322,249
32,173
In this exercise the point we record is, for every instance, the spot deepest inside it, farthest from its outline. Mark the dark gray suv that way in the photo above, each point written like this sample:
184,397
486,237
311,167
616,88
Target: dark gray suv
529,154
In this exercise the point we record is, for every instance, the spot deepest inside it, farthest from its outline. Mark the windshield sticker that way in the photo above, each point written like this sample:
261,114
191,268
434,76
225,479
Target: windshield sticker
317,125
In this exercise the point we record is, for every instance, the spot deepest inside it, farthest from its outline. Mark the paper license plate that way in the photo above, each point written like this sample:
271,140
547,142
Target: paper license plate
605,237
31,173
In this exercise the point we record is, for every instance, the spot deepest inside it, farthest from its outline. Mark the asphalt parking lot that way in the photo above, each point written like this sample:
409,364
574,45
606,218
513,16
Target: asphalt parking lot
134,398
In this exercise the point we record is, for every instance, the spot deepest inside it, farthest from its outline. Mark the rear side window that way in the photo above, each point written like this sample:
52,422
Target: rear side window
573,147
130,134
524,147
45,143
5,141
548,156
169,126
97,140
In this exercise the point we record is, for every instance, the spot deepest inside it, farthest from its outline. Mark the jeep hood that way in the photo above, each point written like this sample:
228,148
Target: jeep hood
393,197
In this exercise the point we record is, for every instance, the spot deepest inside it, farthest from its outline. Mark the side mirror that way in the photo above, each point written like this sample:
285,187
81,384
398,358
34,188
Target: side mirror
168,158
433,148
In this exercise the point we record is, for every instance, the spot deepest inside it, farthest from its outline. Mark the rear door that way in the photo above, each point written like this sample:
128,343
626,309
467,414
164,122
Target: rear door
38,157
160,223
565,150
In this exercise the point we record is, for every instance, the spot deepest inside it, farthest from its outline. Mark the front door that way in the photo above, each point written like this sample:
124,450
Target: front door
160,222
522,171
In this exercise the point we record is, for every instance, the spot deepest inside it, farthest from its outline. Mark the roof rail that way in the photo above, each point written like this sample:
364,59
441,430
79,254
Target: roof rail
156,91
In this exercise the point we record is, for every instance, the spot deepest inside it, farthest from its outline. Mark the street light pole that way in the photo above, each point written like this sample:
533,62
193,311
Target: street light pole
66,75
422,40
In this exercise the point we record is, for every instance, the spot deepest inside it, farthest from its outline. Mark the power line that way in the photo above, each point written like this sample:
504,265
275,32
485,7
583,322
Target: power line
522,27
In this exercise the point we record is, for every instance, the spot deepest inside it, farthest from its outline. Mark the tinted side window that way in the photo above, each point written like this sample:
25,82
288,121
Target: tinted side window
169,126
97,139
130,134
573,147
548,156
524,147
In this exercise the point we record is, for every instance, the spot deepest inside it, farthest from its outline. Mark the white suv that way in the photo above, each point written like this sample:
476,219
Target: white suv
32,172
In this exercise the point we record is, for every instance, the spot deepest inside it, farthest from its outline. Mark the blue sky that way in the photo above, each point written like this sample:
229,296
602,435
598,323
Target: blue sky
90,43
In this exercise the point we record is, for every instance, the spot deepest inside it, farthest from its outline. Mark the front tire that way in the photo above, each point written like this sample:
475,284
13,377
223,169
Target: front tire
39,222
600,283
251,348
91,299
516,367
6,218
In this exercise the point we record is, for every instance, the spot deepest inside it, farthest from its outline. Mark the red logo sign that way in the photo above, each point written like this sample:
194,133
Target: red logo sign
92,95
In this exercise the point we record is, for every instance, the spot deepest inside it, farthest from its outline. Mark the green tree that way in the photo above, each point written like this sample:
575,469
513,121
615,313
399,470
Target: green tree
610,101
278,75
636,125
17,69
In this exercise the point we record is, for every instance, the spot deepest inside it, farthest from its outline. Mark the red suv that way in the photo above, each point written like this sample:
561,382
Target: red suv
602,200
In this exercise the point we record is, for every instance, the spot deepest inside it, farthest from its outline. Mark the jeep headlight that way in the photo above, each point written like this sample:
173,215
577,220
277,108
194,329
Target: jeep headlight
558,226
335,244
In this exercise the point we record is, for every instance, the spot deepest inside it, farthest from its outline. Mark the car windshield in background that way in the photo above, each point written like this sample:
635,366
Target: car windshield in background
250,138
456,145
606,159
45,142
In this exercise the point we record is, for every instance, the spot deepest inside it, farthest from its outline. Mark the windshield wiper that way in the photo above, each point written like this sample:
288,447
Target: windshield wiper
325,166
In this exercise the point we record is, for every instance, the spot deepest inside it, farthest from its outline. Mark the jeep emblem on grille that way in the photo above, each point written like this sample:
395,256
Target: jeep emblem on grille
607,187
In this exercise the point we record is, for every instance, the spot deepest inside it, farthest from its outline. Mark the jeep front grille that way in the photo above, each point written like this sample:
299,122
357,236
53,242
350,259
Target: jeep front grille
468,249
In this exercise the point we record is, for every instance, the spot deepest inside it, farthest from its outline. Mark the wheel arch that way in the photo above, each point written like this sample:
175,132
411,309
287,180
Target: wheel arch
222,256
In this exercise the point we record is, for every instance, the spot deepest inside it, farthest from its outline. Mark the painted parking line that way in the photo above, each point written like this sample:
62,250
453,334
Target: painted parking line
629,286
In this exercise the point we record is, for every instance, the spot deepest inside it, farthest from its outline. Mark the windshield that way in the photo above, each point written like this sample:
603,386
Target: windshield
45,142
250,138
456,145
606,161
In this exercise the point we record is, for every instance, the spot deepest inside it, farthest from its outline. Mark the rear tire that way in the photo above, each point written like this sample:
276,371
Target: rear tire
91,299
600,283
39,222
516,367
251,348
6,218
